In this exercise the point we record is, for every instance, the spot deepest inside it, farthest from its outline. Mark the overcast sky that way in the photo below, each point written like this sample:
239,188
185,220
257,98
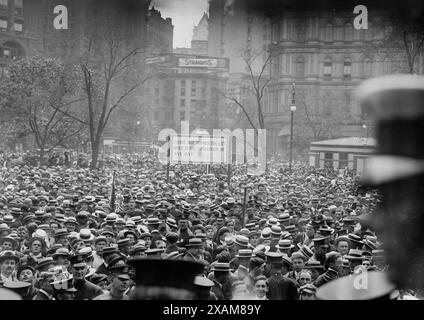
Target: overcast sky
185,14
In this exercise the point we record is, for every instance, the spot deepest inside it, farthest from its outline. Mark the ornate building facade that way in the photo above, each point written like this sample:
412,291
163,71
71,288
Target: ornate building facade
326,57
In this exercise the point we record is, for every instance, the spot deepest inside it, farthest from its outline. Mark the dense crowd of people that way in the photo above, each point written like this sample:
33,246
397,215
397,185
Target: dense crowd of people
68,232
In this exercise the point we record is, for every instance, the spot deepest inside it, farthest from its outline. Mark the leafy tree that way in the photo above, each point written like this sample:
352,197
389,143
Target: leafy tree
37,95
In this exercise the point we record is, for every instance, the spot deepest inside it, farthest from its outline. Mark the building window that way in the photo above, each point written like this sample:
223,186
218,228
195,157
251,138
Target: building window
347,69
300,68
348,32
182,115
183,91
275,32
182,103
328,68
19,27
183,83
193,90
367,67
3,3
3,24
343,160
18,7
301,31
329,32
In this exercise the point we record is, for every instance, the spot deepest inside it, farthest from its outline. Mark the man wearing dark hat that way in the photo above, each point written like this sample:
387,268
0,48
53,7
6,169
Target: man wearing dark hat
62,237
107,252
45,291
27,273
86,289
184,233
120,284
124,246
332,266
222,281
280,287
171,242
194,250
203,289
243,258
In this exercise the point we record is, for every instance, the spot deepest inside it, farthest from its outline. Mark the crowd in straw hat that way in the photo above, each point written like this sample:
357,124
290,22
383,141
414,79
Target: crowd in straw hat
298,225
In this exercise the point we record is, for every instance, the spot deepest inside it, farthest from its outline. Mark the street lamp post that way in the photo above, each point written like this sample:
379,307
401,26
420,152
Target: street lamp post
136,135
292,111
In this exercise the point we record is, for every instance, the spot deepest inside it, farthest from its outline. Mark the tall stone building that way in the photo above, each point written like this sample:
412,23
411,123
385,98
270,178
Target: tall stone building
199,42
315,45
21,29
185,88
160,33
26,26
235,32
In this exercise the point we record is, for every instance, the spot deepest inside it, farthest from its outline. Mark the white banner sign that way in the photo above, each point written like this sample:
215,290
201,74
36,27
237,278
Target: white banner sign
197,63
200,149
108,142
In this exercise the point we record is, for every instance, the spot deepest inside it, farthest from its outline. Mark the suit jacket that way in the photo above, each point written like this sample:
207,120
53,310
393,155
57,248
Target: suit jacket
87,290
291,275
326,277
222,291
102,269
281,288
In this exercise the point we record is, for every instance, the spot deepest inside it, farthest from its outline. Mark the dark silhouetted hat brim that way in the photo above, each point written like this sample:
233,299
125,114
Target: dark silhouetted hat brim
166,273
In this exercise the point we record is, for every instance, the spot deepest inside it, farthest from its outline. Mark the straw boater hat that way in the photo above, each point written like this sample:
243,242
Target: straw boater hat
86,235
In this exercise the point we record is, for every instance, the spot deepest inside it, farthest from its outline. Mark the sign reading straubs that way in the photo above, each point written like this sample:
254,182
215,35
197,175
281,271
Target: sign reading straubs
198,63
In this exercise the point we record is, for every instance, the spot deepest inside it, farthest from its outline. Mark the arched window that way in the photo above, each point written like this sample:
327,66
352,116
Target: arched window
348,32
328,68
300,67
347,69
367,67
328,32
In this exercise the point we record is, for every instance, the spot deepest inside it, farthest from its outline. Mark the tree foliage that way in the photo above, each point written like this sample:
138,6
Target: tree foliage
37,95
